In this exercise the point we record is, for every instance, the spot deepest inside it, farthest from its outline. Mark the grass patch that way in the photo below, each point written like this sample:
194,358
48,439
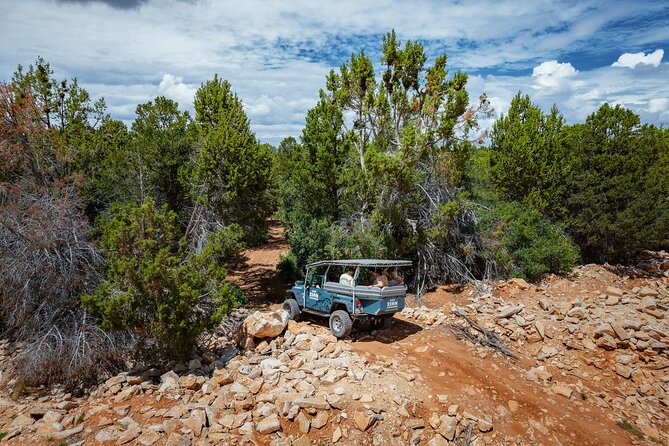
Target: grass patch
2,435
632,429
19,390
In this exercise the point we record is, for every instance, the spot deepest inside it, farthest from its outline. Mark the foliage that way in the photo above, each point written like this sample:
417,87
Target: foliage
232,173
374,188
617,193
525,244
527,156
47,256
156,289
287,267
163,140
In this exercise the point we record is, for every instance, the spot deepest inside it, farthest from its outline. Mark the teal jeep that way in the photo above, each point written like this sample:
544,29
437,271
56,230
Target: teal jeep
322,294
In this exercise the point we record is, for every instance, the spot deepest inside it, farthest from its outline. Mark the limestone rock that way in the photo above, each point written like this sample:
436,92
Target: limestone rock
613,291
363,420
320,420
269,424
265,324
222,377
302,441
562,389
22,420
647,292
303,423
623,370
169,381
648,303
620,331
447,427
509,311
485,425
336,435
104,436
607,342
315,403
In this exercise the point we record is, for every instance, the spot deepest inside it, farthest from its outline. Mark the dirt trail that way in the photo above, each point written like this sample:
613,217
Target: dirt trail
256,273
484,387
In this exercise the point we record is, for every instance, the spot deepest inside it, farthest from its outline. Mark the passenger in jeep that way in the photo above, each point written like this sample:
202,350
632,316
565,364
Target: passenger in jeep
380,280
347,277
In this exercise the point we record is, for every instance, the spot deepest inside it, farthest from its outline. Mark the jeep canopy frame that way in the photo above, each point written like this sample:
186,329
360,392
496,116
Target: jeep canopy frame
357,264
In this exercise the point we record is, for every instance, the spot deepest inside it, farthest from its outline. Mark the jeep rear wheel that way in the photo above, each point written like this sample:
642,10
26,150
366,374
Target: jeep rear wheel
340,324
293,309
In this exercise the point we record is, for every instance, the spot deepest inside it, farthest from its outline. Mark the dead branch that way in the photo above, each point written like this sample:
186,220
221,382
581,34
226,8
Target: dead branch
489,339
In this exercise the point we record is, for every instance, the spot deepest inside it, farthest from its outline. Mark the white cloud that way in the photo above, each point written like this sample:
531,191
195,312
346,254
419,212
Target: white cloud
174,88
658,105
631,60
552,73
276,54
645,92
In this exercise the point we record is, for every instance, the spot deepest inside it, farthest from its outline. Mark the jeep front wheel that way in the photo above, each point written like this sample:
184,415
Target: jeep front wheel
293,309
340,324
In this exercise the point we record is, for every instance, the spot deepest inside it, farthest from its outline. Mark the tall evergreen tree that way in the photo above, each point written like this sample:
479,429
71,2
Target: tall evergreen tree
232,172
528,160
616,193
164,141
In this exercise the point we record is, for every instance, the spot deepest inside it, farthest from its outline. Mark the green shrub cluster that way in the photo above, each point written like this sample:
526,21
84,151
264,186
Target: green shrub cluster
525,244
604,181
154,286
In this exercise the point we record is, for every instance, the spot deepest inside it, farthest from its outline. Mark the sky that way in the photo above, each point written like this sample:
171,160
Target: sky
575,54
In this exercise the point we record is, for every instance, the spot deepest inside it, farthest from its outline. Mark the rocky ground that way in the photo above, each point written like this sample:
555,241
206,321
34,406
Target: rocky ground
589,366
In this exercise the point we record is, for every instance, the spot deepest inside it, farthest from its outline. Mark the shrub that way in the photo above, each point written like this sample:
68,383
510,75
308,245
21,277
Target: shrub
154,287
288,268
525,244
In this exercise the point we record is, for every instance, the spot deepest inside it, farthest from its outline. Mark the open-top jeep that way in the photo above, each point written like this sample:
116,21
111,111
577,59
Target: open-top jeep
322,294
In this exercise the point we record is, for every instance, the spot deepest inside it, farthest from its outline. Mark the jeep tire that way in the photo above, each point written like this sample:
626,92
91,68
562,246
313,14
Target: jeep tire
340,324
293,309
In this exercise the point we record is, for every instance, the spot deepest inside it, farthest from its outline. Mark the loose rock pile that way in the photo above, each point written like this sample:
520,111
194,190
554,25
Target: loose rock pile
300,387
614,342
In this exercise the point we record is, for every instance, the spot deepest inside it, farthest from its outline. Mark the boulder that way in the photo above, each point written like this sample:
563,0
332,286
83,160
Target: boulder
363,420
269,425
265,324
169,381
607,342
448,426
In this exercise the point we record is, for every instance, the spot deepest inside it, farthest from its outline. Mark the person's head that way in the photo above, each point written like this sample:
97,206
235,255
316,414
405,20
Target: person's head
349,271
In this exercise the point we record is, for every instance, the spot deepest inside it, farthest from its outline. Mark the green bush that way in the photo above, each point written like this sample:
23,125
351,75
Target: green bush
525,244
154,286
288,268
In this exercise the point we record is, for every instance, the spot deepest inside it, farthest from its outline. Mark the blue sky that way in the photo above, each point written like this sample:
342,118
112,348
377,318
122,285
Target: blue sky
576,54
